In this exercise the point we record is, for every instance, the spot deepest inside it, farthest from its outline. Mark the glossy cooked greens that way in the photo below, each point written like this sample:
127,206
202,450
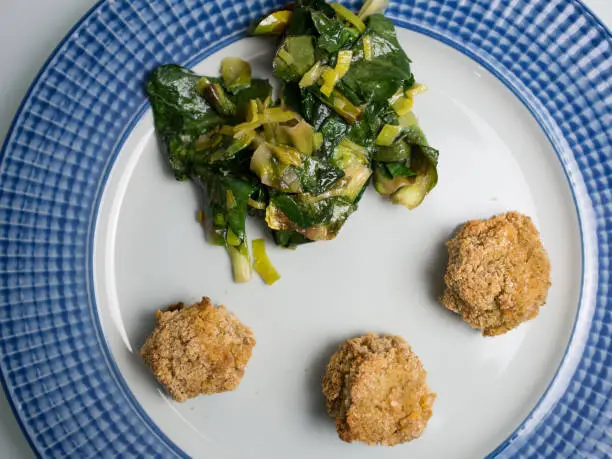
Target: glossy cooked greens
300,161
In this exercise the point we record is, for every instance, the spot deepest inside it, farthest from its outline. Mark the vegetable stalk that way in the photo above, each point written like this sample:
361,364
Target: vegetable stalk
262,263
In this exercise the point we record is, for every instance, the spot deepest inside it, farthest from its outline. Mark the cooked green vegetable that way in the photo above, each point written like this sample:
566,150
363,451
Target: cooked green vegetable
302,161
332,76
273,24
342,106
388,134
181,115
408,180
294,58
316,219
378,78
301,136
401,103
236,74
367,47
228,199
262,263
415,89
216,96
348,16
312,76
312,175
333,33
371,7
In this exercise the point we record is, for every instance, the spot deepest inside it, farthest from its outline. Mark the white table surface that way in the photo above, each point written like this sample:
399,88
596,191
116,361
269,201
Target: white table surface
27,40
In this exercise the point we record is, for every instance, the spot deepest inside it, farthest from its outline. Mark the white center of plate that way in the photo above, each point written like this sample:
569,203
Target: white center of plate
382,274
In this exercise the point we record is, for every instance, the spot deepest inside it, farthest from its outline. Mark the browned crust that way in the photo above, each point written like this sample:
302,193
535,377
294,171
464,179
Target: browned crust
375,388
498,273
198,349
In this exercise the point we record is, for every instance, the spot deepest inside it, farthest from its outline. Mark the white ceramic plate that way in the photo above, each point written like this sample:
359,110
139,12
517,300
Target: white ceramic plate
383,274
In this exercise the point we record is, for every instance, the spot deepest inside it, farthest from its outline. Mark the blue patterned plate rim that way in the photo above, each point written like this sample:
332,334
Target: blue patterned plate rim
14,400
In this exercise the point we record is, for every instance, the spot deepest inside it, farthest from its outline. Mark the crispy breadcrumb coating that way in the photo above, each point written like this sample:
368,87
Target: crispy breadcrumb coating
376,390
498,273
198,349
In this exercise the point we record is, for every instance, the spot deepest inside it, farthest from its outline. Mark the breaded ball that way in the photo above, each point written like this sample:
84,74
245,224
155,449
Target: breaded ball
498,273
375,389
198,349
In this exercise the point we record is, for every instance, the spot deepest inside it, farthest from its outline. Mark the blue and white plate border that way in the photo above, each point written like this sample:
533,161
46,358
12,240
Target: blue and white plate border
554,55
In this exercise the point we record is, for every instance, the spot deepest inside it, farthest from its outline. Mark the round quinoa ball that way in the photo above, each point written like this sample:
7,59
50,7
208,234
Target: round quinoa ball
375,389
198,349
498,273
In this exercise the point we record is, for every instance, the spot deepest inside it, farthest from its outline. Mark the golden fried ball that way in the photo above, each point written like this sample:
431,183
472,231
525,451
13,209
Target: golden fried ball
198,349
375,389
498,273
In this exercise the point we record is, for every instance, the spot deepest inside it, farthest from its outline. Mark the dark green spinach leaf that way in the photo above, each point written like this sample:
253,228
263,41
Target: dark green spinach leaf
333,34
377,79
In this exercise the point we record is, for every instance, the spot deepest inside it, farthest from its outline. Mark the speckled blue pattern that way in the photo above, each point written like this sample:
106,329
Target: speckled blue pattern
56,368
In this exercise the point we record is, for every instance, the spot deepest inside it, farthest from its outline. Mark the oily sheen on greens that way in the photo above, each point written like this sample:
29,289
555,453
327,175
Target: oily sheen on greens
300,161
